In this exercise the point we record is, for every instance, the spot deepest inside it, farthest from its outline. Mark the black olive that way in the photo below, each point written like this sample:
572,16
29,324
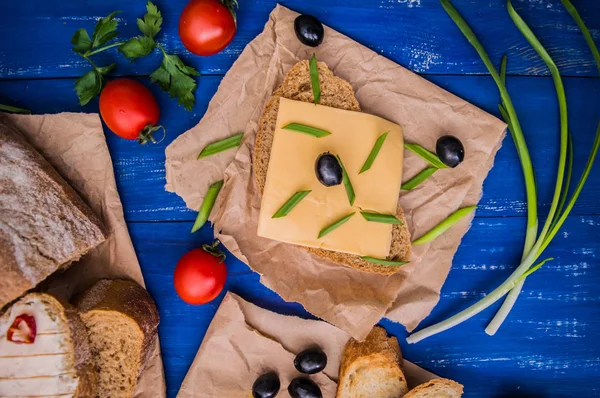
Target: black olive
450,150
310,361
266,386
328,169
302,387
309,30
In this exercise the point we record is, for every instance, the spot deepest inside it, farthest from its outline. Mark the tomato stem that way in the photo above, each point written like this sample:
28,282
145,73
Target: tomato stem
213,249
147,134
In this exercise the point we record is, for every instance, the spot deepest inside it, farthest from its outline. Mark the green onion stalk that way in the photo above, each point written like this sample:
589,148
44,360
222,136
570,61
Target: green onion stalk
554,220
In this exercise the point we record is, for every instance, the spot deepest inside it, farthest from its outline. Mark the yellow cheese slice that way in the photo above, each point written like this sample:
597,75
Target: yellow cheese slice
292,169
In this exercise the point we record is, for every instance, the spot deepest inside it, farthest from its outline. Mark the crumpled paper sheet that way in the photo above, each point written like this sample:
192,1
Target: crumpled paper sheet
74,143
244,341
349,299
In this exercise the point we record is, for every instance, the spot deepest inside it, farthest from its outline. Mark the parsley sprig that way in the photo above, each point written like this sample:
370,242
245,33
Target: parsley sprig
173,75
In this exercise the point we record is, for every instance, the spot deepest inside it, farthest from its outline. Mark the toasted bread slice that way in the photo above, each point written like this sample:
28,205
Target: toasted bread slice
371,369
337,93
437,388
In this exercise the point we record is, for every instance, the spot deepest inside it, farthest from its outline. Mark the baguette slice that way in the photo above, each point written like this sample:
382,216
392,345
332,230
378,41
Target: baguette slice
337,93
122,321
44,224
437,388
371,369
58,361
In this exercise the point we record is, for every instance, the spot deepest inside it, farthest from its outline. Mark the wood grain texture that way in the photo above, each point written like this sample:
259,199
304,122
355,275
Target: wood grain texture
141,175
415,33
549,345
545,349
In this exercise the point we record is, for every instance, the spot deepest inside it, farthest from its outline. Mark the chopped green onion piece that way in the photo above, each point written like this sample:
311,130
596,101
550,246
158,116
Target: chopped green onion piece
314,78
381,218
14,109
302,128
374,152
207,205
444,225
290,204
430,157
384,262
419,178
336,224
220,146
347,183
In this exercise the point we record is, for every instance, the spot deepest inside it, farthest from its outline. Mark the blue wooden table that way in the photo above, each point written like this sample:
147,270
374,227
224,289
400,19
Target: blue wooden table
550,345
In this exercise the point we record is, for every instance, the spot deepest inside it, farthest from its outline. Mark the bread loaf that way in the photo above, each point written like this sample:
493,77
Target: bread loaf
337,93
371,369
122,320
437,388
44,350
44,224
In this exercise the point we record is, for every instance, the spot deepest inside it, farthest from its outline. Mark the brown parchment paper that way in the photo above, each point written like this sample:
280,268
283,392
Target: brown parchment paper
349,299
244,341
74,143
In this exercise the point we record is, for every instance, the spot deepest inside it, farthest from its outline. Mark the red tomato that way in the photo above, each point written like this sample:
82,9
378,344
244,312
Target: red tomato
129,109
206,27
200,275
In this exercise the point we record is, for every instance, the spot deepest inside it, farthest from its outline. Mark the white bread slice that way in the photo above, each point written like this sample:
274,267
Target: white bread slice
122,321
57,363
371,369
437,388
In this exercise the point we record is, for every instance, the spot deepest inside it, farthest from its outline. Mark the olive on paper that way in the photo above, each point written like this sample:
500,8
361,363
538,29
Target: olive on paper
309,30
310,361
266,386
301,387
450,150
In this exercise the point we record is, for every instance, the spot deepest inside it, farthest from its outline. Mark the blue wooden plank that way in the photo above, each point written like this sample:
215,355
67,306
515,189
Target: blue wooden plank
141,175
547,348
415,33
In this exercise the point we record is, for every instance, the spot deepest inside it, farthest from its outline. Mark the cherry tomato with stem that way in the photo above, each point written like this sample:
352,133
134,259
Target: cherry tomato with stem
130,110
200,274
206,27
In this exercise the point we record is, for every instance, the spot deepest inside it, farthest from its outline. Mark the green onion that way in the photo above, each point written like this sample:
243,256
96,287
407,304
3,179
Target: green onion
380,218
220,146
384,262
419,178
374,152
430,157
586,33
336,224
503,69
347,183
290,204
314,78
444,225
14,109
302,128
207,205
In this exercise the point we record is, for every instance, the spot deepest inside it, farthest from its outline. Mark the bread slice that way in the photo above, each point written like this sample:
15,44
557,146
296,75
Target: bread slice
122,321
437,388
337,93
371,369
56,361
44,224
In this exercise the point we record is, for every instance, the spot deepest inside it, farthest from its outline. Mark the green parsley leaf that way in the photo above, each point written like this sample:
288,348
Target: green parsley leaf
104,70
176,78
88,86
152,21
81,41
137,47
106,30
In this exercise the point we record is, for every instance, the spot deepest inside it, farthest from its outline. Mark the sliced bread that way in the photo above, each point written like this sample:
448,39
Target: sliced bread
44,224
44,350
371,369
337,93
437,388
121,319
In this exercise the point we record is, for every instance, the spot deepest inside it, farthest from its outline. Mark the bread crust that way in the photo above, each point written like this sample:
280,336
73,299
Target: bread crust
128,298
432,386
377,347
337,93
44,224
